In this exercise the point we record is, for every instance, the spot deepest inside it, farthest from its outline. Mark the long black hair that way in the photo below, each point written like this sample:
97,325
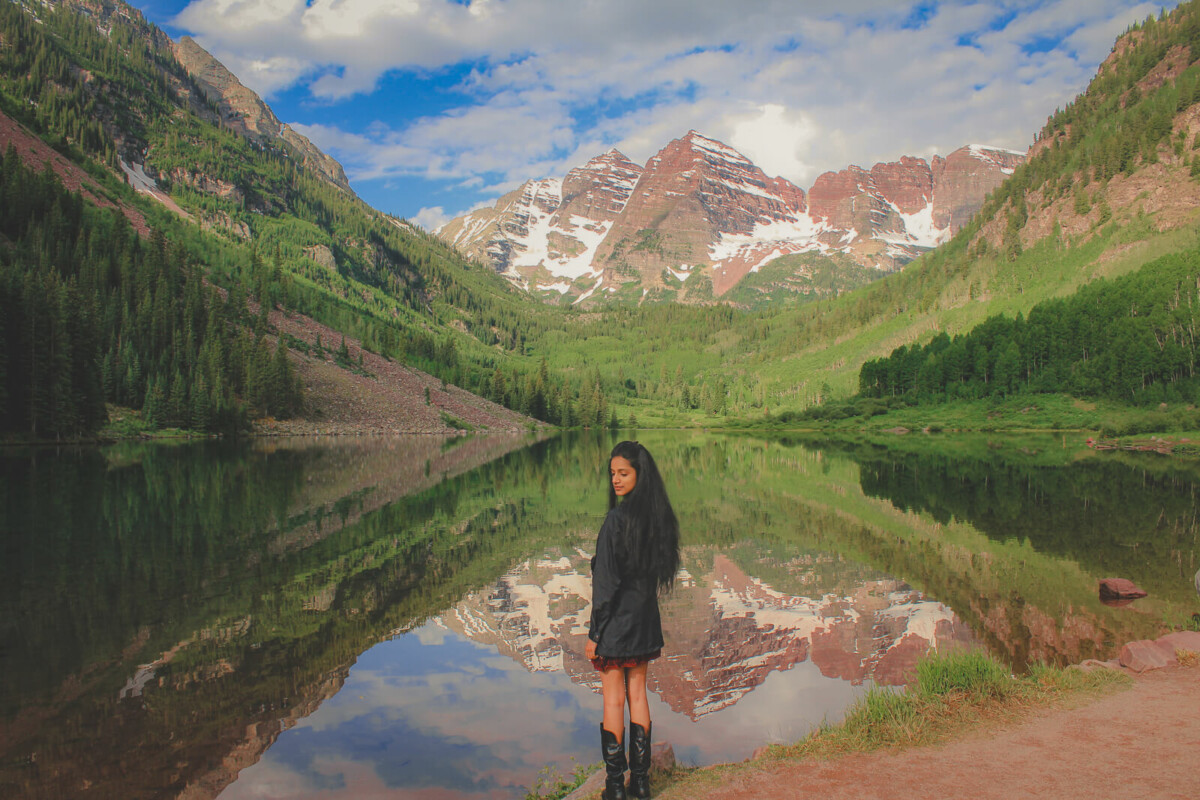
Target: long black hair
649,537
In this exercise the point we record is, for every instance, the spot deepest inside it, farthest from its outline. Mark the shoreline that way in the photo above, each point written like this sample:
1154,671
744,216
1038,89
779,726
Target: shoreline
967,718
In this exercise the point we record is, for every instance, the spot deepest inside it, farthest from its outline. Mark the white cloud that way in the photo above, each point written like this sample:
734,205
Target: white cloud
799,88
776,139
431,218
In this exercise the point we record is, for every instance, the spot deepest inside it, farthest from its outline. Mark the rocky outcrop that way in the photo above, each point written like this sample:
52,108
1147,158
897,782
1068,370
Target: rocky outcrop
1143,655
243,111
700,208
207,185
322,256
965,178
221,221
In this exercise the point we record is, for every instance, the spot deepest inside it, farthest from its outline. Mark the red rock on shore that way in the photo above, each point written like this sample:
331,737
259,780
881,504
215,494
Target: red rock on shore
1144,655
1119,589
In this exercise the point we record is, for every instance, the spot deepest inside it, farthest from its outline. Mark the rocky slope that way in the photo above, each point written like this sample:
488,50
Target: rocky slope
545,234
373,394
186,133
700,216
244,111
237,107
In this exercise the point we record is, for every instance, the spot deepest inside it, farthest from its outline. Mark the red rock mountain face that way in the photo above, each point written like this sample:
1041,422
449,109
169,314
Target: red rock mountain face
965,177
702,215
598,190
691,194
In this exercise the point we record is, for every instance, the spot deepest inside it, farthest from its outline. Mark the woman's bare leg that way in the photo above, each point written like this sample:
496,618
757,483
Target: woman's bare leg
612,683
635,686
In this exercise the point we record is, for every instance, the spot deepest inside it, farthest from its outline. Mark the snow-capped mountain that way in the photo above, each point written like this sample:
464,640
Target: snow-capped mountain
726,633
702,215
545,234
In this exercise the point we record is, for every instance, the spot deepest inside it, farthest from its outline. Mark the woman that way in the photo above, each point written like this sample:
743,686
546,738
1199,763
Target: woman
637,556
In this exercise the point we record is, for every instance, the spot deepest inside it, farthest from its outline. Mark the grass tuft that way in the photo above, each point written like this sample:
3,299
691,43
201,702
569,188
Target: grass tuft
971,672
552,785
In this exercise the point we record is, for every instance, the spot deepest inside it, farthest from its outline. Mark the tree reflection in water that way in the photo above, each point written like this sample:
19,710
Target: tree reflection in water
170,610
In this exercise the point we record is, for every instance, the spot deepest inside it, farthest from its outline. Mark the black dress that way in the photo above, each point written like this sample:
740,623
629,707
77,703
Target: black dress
625,620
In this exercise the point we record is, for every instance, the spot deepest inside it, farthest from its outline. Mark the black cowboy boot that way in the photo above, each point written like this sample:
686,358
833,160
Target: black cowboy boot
614,765
639,761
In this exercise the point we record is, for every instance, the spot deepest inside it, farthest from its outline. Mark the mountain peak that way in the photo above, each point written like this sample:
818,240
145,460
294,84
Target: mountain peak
702,212
245,112
712,148
612,158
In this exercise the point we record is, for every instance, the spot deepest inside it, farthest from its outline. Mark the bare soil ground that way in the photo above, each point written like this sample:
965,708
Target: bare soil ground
385,397
36,154
1140,743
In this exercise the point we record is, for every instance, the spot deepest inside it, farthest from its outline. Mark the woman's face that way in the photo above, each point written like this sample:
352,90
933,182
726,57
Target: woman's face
623,475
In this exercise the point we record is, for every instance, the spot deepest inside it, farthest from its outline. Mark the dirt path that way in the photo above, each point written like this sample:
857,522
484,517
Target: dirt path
1139,743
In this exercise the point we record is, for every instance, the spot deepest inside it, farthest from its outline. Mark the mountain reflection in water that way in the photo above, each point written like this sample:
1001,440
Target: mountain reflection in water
494,688
725,632
406,617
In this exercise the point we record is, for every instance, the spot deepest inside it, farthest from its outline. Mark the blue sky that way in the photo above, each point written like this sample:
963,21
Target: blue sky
435,106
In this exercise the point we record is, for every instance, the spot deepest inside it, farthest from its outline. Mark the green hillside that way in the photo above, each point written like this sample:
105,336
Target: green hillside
252,221
1109,187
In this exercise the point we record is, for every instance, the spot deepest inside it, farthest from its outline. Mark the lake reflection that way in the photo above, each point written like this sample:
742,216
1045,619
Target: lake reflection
405,617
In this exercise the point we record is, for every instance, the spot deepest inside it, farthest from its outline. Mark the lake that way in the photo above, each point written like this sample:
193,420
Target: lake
406,616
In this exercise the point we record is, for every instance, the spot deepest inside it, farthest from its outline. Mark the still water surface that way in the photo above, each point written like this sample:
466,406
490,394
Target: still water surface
406,617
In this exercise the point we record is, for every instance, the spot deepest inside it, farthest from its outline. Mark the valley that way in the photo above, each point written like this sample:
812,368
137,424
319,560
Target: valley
907,402
693,290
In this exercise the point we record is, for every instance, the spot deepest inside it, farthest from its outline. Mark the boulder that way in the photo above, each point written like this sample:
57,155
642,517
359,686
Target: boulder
1182,640
1144,655
662,757
589,788
1119,589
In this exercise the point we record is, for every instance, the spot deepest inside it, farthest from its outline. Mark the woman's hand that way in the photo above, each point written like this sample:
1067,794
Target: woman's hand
590,650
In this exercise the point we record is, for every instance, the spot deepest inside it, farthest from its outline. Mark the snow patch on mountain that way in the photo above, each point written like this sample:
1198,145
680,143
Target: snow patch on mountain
589,292
768,241
144,184
919,230
470,230
718,149
589,234
995,155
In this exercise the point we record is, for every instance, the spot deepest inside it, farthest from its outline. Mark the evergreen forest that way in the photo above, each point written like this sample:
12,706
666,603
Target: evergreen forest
90,313
1130,339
